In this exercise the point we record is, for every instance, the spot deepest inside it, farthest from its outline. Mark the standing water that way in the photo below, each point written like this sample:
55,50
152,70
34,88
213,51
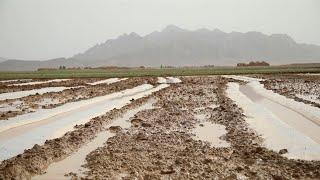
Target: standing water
20,94
280,123
52,123
107,81
73,162
39,82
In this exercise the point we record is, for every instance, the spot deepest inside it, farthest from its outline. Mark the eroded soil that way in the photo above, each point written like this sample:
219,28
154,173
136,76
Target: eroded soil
163,146
296,87
53,99
160,143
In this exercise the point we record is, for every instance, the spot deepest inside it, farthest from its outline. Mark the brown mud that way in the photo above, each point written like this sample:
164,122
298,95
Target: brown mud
35,160
7,87
165,148
30,103
160,143
293,85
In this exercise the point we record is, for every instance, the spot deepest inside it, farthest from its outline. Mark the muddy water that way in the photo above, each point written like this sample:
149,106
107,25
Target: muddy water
73,163
310,112
47,101
162,80
242,78
39,82
44,114
311,98
41,126
280,127
15,80
211,133
107,81
173,80
14,106
20,94
310,74
287,115
168,80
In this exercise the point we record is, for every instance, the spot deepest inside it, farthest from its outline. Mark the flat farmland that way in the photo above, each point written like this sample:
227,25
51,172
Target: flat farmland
155,72
147,124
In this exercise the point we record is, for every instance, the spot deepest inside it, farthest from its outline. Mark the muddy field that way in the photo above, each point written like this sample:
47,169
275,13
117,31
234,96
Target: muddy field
197,127
302,87
75,90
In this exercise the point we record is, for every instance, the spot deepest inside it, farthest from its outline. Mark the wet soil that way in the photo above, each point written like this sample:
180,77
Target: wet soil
8,87
33,102
35,160
164,147
292,86
160,143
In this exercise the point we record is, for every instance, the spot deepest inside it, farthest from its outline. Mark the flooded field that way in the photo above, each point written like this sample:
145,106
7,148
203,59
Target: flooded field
197,127
39,82
20,94
303,88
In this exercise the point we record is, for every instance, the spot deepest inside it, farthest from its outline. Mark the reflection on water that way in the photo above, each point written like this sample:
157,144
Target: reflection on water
51,123
107,81
20,94
280,126
211,133
73,162
39,82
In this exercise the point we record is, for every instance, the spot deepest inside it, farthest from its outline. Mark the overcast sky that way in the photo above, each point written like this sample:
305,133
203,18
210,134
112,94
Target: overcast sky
44,29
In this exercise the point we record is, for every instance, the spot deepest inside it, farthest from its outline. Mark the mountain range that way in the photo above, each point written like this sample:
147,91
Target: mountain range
2,59
174,46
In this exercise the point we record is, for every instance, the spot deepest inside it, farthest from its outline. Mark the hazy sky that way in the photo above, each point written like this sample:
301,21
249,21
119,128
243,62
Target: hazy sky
44,29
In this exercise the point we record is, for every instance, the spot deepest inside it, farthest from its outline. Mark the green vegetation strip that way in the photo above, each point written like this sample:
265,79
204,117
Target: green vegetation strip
107,73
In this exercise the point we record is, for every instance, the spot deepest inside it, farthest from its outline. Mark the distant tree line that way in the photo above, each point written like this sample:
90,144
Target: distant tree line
88,67
253,63
62,67
168,67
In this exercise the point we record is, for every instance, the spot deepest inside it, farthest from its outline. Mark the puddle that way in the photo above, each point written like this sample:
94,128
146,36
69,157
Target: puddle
280,126
24,131
108,81
20,94
242,78
173,80
309,112
39,82
311,98
212,133
13,106
42,114
47,101
162,80
6,108
168,80
16,105
310,74
15,80
201,117
287,115
73,162
212,106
